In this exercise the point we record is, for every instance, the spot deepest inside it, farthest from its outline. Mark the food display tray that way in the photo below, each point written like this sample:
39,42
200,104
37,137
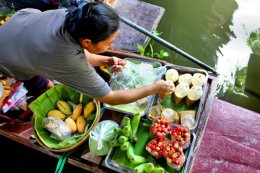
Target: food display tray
182,106
150,98
113,165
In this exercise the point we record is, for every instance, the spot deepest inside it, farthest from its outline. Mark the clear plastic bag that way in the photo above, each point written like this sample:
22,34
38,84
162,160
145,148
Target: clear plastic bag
135,75
100,137
58,128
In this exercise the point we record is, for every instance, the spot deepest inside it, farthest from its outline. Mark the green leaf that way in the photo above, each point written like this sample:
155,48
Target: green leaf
151,49
166,54
157,33
156,55
141,49
254,41
147,54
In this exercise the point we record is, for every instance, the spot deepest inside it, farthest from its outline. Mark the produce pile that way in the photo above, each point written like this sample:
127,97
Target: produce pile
160,142
181,103
134,75
188,86
66,121
63,118
165,142
169,142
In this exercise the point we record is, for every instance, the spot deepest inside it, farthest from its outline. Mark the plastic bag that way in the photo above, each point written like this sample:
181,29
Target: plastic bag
19,93
58,128
100,137
135,75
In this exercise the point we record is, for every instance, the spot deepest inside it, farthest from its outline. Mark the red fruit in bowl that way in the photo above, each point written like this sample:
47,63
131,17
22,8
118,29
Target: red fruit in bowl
181,135
175,158
160,128
156,147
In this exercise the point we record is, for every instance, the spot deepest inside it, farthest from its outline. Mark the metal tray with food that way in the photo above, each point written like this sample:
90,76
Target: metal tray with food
143,157
184,104
134,75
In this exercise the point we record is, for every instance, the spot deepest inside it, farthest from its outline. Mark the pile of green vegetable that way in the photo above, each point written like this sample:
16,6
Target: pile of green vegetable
127,140
254,41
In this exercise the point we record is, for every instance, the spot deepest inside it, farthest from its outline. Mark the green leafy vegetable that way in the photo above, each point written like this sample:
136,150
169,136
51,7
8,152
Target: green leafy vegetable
254,41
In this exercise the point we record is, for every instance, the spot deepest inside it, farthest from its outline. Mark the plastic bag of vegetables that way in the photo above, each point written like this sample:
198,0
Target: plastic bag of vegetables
100,137
136,73
58,128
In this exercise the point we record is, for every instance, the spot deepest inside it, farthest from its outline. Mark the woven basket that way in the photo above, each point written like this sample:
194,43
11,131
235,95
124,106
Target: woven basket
40,110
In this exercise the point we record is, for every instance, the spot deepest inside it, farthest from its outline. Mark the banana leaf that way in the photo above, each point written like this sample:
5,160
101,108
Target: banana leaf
46,102
170,103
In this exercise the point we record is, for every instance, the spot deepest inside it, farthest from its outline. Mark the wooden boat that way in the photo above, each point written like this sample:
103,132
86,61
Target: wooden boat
22,132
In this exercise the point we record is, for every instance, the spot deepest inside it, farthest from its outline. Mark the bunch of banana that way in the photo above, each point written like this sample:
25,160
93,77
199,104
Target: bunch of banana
149,168
127,136
76,118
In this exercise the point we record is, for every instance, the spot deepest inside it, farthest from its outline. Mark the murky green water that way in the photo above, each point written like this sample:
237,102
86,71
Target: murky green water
216,32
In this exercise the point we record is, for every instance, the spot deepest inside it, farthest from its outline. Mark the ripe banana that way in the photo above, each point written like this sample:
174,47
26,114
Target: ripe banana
77,111
57,114
89,108
64,107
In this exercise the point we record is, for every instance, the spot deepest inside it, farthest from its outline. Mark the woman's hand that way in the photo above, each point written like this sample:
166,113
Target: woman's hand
101,60
116,63
163,87
130,95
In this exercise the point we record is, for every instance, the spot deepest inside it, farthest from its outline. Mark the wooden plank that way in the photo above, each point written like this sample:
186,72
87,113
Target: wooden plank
87,155
31,144
141,13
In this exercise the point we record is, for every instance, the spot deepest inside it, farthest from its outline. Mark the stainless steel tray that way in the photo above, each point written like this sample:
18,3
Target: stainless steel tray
181,70
113,165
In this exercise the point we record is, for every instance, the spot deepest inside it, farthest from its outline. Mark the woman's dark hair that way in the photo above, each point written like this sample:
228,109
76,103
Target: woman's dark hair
95,21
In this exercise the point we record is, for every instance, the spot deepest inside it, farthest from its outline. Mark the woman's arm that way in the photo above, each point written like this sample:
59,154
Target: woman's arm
100,60
130,95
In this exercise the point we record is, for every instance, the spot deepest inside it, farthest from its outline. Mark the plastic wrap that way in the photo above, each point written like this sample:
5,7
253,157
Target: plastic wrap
100,137
135,75
58,128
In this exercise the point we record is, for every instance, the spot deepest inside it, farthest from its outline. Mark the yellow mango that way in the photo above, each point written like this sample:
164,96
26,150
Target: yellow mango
72,125
77,112
81,124
89,108
56,113
64,107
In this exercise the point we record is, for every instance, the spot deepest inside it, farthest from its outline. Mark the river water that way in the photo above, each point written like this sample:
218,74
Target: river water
216,33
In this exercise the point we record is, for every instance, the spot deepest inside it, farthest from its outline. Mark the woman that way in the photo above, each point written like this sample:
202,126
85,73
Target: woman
63,45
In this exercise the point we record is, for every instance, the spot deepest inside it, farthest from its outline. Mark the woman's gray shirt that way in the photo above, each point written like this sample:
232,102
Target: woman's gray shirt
35,43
